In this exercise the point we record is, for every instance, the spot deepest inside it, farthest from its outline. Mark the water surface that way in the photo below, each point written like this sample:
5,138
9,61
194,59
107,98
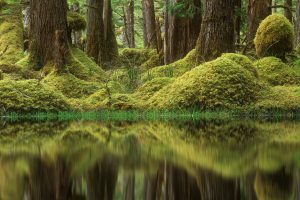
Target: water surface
204,160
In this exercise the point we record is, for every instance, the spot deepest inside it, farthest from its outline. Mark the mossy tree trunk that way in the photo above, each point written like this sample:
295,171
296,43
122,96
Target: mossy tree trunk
298,23
129,23
95,26
48,17
257,11
217,30
183,29
288,10
150,38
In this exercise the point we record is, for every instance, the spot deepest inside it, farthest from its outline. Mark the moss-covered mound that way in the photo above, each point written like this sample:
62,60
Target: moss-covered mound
174,69
276,72
131,57
151,87
76,21
221,83
11,34
71,86
30,95
242,60
279,98
274,37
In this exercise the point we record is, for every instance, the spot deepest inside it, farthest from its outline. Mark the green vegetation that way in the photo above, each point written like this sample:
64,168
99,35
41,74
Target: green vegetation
274,37
276,72
76,21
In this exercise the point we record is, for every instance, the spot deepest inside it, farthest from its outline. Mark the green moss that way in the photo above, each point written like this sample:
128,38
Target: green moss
76,21
174,69
71,86
151,63
274,37
151,87
123,102
221,83
275,72
242,60
30,95
11,34
81,66
131,57
1,75
279,98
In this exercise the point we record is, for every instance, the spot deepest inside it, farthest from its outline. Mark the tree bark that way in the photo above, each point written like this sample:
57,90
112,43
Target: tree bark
129,23
217,30
298,23
111,47
288,10
257,11
47,17
183,31
238,19
150,38
95,26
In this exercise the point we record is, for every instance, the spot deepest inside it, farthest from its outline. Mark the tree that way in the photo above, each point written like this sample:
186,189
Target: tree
298,23
129,23
150,38
288,10
101,41
238,20
48,32
95,26
182,28
217,30
257,11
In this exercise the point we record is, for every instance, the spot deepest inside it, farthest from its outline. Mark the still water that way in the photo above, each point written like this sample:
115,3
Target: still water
203,160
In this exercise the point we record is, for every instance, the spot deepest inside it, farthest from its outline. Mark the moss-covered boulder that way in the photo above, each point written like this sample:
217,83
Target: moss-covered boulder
276,72
30,95
242,60
221,83
76,21
174,69
274,37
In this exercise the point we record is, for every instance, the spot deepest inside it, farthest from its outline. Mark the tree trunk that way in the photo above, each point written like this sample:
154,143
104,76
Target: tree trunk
47,17
129,24
217,30
149,24
238,19
166,39
298,23
257,11
288,10
95,26
111,47
183,31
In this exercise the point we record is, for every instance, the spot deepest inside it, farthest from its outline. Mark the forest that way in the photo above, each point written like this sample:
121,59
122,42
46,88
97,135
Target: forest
204,55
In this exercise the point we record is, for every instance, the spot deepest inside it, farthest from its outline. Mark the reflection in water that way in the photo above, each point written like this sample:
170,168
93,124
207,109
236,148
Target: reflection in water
166,161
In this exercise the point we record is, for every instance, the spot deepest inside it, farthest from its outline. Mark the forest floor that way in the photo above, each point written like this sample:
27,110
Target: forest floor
138,82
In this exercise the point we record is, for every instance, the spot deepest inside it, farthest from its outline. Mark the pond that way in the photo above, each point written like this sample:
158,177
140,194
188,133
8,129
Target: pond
205,159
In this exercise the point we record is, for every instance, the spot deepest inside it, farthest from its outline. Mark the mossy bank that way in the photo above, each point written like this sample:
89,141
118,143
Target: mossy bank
139,81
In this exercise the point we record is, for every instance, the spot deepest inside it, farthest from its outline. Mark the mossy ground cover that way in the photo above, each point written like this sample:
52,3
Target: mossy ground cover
139,82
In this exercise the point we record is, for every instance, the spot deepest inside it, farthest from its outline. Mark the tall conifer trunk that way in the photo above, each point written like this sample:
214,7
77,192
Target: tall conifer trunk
217,30
46,18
